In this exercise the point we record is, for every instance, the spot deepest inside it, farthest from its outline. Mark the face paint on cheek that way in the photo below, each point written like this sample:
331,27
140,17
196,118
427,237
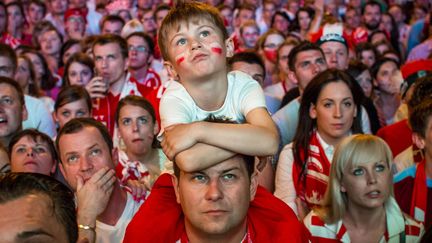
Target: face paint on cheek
216,48
179,59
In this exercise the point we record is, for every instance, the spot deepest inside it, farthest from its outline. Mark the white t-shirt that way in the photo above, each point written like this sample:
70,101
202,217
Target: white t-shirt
243,95
38,116
115,233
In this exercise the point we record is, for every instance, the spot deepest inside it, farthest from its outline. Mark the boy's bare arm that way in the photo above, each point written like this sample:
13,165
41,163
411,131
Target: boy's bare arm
257,137
201,156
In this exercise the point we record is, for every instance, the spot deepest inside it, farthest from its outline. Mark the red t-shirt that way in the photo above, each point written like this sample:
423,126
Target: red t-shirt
104,108
160,218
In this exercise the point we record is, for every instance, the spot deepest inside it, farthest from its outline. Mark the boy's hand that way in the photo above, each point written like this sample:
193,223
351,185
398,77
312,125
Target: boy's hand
178,138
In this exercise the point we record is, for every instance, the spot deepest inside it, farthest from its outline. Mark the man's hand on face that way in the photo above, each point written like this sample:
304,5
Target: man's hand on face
93,195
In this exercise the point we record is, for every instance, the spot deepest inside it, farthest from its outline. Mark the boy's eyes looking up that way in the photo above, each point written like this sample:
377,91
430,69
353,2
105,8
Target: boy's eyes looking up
181,40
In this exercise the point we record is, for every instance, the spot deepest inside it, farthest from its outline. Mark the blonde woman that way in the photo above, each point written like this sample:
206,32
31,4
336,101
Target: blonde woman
359,204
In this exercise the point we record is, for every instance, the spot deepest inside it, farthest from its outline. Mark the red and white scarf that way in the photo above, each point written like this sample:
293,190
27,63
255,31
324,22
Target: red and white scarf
419,196
311,187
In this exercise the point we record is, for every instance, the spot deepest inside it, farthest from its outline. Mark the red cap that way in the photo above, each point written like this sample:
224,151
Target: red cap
74,12
415,67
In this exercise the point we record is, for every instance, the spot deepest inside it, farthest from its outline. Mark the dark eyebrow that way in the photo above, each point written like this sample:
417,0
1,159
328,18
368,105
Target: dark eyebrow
31,233
230,169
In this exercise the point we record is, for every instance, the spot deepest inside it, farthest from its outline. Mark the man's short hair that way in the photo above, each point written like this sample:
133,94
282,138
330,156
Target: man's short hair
422,91
247,57
39,3
301,47
249,23
110,38
146,38
420,117
242,7
42,27
187,12
160,7
111,18
78,124
35,135
371,3
17,185
14,84
7,52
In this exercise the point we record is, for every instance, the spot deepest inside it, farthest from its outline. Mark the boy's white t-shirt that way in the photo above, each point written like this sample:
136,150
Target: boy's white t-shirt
244,94
115,233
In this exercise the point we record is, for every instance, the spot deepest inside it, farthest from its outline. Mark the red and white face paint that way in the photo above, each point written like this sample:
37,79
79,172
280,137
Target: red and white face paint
216,48
197,50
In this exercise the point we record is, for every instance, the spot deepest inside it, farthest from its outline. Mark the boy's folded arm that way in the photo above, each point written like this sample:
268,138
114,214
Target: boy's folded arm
257,137
201,156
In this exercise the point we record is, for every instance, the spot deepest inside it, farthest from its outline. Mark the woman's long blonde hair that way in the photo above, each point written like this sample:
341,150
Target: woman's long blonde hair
351,151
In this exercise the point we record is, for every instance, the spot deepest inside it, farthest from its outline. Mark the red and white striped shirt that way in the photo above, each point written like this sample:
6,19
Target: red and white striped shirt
399,225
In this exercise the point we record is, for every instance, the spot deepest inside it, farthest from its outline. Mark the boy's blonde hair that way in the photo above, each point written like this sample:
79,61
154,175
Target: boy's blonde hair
351,151
188,12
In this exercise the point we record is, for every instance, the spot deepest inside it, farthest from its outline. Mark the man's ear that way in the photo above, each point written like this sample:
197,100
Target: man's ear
126,64
229,45
24,113
62,170
312,111
292,77
175,183
171,71
156,128
114,156
418,140
150,59
253,184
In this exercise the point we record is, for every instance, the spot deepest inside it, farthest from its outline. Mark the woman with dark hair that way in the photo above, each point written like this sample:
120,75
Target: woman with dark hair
303,21
72,102
328,111
141,158
79,70
385,73
359,205
388,24
361,74
68,48
32,151
280,21
25,75
44,77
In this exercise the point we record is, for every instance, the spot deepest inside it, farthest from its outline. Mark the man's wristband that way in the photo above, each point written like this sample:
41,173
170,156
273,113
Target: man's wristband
86,227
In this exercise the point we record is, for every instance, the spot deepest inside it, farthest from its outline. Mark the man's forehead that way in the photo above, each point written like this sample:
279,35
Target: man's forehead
99,49
9,90
308,56
85,137
233,163
332,45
